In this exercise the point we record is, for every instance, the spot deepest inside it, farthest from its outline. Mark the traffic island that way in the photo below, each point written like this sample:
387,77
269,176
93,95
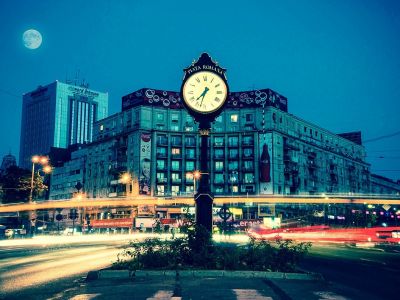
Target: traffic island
125,274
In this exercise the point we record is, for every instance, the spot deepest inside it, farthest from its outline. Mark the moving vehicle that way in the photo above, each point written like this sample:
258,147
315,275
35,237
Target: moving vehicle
389,235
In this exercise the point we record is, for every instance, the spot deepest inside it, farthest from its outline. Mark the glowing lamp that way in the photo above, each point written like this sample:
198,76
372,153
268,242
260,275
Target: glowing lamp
47,169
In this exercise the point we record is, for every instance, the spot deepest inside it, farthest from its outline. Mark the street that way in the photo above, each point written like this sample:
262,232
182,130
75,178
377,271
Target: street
40,269
49,268
372,271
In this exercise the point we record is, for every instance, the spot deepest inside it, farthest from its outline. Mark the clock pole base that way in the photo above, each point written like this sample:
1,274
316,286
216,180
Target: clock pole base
204,204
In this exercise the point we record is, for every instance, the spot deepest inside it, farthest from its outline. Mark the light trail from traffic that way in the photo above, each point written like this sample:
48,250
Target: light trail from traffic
39,269
135,201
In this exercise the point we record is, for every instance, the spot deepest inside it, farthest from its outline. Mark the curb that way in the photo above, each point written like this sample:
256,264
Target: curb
112,274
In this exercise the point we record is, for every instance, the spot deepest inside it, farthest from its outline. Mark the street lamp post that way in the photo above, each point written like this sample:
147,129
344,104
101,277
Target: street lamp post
42,160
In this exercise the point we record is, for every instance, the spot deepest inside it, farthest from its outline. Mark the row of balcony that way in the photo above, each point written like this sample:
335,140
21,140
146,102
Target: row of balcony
217,170
216,157
164,143
216,181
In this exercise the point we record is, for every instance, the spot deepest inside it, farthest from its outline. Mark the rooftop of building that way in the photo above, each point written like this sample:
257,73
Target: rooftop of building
385,179
82,86
171,99
236,100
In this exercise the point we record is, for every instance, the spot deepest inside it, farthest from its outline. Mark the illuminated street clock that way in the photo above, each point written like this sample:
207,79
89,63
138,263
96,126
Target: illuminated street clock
204,89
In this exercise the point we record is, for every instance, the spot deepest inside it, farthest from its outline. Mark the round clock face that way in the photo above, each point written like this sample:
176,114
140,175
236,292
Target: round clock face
204,92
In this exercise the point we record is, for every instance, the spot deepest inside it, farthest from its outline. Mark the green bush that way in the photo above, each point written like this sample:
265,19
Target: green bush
197,251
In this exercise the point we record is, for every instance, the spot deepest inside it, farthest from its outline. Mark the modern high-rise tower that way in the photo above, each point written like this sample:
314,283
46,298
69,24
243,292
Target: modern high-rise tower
58,115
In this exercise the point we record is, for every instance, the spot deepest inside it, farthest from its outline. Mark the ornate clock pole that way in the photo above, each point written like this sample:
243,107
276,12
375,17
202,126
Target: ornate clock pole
204,92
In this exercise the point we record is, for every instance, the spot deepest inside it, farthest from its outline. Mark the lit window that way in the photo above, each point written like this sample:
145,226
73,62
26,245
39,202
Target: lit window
175,190
234,118
160,190
175,177
101,127
176,151
219,165
174,118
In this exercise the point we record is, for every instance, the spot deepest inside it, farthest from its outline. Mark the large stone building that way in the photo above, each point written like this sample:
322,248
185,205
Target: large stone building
58,115
384,186
256,147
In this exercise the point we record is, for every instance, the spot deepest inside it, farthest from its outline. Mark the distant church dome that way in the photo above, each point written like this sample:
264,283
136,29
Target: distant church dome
8,161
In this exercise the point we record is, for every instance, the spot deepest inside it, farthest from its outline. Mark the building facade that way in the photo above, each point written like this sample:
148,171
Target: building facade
58,115
256,147
66,177
384,186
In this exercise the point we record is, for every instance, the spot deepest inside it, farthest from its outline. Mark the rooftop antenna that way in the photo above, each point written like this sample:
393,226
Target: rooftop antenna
76,77
67,80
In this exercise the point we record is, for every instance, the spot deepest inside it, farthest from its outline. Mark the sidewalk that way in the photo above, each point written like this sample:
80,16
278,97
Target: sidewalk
204,285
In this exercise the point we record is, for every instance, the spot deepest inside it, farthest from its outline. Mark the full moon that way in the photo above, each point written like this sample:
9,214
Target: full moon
32,39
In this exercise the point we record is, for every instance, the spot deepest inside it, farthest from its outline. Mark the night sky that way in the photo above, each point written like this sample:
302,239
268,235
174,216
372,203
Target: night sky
338,62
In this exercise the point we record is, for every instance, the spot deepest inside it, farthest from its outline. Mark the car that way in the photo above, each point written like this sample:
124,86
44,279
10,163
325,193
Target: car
70,231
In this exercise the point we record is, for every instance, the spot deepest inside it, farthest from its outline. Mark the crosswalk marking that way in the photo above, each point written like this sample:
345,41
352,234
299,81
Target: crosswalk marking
247,294
162,295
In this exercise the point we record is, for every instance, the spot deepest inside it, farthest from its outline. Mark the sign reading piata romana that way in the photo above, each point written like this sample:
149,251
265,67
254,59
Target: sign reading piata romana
204,89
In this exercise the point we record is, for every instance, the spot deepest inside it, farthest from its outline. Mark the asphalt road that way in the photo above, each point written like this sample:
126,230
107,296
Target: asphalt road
46,270
372,271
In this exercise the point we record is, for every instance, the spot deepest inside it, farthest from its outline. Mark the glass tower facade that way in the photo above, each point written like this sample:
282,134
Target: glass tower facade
58,115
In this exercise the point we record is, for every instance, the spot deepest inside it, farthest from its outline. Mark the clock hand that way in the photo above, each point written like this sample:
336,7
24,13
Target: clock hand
204,94
206,89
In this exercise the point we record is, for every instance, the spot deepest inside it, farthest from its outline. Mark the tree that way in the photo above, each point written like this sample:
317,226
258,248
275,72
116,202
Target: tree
15,184
38,185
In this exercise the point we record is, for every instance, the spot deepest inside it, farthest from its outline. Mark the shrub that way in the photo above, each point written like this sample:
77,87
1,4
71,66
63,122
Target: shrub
196,250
